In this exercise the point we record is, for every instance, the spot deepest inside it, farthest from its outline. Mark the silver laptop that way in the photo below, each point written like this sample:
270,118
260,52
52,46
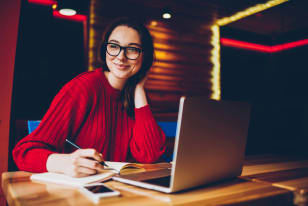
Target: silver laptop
209,146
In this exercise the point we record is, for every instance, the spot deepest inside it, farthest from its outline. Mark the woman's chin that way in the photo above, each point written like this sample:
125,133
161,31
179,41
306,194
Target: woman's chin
120,74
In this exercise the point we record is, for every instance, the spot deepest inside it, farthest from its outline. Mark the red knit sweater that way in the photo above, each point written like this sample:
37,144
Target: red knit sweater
89,112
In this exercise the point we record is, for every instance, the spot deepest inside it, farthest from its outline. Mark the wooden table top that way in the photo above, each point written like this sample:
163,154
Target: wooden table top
266,180
286,172
19,190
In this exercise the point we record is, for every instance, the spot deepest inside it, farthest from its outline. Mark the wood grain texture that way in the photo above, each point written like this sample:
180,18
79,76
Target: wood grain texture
182,48
182,43
273,167
290,173
19,190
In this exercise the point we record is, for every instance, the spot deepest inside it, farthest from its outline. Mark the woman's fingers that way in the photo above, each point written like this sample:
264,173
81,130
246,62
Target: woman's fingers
89,163
83,171
87,159
90,153
83,162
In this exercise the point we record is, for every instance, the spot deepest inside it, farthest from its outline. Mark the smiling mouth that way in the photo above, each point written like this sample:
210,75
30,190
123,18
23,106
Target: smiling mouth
121,66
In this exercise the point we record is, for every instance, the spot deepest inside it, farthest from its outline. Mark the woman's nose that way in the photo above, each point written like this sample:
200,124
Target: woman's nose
121,55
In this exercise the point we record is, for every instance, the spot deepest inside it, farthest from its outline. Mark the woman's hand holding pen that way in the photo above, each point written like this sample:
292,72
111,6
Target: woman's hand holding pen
80,163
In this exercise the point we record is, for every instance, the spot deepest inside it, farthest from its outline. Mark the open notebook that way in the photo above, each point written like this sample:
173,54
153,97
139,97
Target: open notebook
113,169
125,167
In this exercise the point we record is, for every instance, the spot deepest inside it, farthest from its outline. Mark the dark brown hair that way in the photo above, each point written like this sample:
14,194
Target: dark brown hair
127,94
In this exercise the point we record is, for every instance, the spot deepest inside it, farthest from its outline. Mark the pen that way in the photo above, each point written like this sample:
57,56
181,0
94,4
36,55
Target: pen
76,146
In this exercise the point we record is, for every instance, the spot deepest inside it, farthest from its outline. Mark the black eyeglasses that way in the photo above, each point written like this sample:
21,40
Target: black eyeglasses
130,52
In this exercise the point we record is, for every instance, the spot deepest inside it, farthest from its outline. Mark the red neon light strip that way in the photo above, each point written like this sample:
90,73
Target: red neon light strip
43,2
260,47
245,45
290,45
76,17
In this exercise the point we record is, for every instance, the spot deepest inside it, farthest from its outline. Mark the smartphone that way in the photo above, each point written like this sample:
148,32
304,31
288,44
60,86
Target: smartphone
97,191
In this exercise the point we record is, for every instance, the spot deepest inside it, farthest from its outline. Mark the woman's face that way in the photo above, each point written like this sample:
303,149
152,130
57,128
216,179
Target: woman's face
127,63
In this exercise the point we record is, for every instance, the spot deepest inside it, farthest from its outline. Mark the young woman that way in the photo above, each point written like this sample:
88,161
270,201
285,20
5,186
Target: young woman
105,112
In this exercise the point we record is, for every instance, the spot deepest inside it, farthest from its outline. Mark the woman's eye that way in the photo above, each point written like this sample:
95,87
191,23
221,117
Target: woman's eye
133,49
114,46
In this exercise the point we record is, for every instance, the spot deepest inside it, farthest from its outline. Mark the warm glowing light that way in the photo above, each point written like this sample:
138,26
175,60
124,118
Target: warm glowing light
67,12
167,15
163,46
215,58
76,17
161,64
160,35
54,6
154,23
249,11
164,55
92,43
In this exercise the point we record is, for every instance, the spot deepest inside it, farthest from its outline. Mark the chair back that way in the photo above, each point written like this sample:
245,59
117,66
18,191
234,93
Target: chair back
32,125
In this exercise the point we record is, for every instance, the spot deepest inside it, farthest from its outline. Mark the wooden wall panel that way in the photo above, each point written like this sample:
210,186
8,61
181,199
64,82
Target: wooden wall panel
182,51
182,44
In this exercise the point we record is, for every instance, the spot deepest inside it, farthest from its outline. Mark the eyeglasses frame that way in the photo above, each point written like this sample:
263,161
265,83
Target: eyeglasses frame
123,48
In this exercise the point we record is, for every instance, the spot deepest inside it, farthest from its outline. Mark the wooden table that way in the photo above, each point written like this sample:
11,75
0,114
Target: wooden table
266,180
19,190
286,172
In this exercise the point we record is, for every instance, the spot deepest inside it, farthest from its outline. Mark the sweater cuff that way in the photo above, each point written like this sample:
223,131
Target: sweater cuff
143,112
40,160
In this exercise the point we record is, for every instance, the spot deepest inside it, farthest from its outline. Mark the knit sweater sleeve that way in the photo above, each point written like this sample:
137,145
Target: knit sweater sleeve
62,119
148,141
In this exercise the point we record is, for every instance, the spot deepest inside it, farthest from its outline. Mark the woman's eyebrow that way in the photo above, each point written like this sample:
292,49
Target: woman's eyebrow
130,44
114,41
134,44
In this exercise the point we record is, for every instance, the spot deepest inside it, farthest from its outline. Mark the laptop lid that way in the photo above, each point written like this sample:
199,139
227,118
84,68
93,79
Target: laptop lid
210,141
209,145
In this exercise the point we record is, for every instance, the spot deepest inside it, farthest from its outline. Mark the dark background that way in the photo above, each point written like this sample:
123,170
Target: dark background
276,86
50,52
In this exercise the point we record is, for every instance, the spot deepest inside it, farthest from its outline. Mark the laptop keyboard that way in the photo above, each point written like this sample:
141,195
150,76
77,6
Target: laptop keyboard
161,181
157,177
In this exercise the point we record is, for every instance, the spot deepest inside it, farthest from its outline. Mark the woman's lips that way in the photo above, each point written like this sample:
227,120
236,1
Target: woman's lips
121,66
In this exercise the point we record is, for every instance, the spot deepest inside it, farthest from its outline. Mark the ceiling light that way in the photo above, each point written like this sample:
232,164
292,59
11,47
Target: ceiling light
67,12
167,15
